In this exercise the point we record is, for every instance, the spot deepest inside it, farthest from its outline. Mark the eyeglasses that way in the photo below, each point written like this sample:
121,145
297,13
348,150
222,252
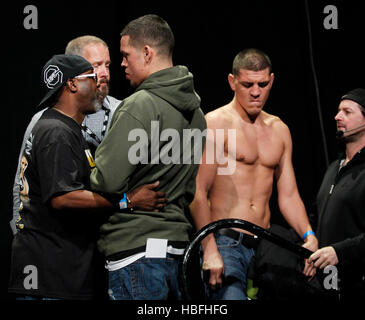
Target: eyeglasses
88,75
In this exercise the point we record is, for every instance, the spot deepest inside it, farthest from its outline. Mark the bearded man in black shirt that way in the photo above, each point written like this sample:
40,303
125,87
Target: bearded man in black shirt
54,251
341,202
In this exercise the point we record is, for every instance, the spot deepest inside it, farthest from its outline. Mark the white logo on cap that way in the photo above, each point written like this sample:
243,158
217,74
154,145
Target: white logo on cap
52,76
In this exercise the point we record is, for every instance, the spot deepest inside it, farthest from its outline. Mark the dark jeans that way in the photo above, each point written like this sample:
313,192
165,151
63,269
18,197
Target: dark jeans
146,279
236,258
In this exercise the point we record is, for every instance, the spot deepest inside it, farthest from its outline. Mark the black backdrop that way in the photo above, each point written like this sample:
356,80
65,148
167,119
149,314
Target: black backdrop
208,36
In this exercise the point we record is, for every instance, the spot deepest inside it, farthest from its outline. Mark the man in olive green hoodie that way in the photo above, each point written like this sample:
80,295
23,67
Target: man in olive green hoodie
150,139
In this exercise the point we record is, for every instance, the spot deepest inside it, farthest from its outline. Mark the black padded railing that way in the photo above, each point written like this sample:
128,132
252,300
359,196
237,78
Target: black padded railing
234,223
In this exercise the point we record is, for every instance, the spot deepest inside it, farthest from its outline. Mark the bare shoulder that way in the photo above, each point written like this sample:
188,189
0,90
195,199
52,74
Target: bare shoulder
275,122
280,129
219,118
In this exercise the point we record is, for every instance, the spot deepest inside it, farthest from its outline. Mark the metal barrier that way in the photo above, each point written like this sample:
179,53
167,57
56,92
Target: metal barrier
234,223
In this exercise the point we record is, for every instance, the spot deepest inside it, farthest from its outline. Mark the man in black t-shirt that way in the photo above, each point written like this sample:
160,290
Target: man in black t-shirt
58,244
53,253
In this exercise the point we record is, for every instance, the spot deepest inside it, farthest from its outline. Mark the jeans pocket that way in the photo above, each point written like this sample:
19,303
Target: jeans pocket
225,242
116,284
145,279
153,283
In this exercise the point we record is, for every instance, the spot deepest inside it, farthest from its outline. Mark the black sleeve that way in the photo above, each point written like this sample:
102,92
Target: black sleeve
59,169
351,250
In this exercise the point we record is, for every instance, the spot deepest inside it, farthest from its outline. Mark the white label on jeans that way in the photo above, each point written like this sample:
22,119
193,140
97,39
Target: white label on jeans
156,248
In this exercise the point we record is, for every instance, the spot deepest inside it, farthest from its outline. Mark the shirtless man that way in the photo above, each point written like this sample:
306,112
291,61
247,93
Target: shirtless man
263,151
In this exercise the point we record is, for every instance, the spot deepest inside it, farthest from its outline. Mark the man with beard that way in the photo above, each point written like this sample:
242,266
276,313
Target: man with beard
95,50
95,125
341,202
53,252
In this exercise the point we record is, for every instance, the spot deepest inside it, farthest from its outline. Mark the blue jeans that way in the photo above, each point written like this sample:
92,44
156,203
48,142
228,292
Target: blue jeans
236,258
146,279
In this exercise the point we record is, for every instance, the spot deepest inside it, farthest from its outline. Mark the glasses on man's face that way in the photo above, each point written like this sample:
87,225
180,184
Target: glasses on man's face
88,75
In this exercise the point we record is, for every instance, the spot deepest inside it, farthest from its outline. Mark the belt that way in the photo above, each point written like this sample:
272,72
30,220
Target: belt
173,247
245,239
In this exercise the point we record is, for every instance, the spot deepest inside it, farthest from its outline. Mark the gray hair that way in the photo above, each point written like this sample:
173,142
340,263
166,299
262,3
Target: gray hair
77,45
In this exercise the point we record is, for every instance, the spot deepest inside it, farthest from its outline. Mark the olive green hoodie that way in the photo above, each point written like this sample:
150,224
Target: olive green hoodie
164,103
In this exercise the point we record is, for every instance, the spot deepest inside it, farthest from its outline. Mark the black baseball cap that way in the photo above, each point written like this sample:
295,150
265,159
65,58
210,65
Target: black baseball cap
58,70
357,95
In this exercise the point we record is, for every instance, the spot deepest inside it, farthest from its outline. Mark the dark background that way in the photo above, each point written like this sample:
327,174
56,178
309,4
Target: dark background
208,35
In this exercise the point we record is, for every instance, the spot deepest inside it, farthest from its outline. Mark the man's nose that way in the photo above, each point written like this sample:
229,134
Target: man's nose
338,116
103,72
255,91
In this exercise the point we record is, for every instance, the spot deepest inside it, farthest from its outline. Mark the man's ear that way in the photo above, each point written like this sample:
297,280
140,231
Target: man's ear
148,54
72,85
231,81
272,77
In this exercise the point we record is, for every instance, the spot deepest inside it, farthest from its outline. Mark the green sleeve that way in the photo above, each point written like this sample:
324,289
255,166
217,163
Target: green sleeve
113,159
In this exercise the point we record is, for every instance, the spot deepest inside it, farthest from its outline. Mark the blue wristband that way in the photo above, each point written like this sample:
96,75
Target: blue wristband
123,202
305,235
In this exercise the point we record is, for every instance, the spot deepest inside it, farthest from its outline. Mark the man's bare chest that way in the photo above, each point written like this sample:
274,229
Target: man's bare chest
253,147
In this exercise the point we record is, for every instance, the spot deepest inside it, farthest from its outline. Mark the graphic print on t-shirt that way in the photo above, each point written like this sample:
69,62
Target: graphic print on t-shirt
90,158
23,182
24,186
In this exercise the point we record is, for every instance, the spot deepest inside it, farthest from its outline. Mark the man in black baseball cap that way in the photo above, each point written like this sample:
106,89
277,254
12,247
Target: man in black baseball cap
59,217
356,95
340,203
58,70
349,127
55,244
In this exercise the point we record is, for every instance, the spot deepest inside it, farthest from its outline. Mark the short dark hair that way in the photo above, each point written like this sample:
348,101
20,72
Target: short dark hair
151,30
251,59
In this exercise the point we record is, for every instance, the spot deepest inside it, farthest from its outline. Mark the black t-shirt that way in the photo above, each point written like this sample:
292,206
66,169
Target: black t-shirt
54,250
